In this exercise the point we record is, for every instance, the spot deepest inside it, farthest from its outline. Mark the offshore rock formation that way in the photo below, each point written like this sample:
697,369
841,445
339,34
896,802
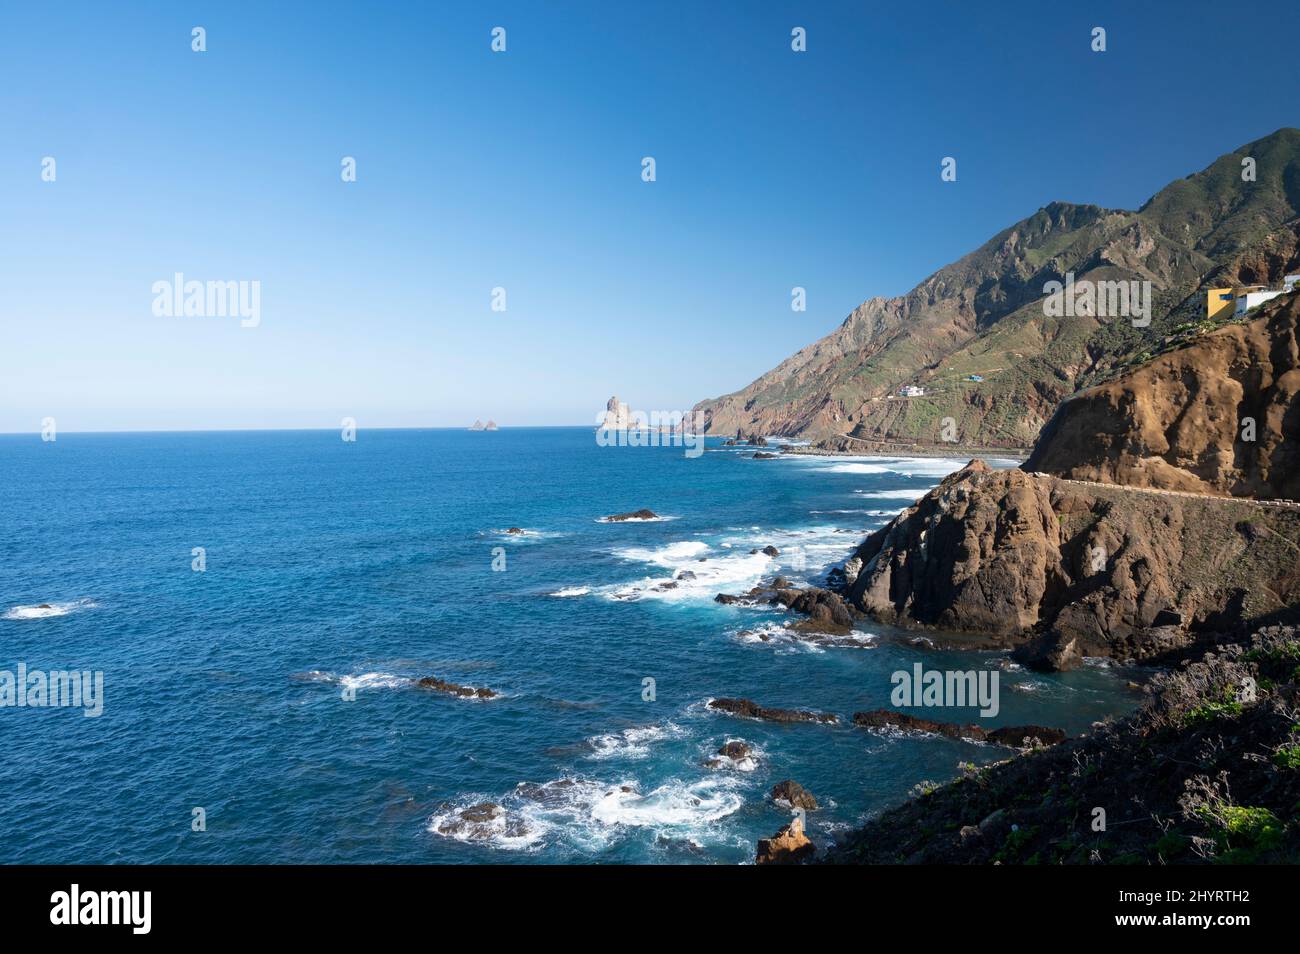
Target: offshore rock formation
618,417
455,689
1063,570
1014,736
643,514
1177,423
825,610
794,795
748,709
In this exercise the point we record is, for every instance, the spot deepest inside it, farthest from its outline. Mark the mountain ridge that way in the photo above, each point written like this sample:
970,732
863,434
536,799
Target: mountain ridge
982,315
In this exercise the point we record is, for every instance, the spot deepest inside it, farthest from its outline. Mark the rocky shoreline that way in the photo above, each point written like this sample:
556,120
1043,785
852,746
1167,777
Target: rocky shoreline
1207,771
854,448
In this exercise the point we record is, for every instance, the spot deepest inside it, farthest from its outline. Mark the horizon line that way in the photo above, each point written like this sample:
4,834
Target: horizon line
243,430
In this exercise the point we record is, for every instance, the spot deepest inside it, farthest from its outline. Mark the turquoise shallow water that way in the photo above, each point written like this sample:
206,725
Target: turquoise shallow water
369,564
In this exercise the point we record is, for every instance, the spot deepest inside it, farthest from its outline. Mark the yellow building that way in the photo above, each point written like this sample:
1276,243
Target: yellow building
1219,302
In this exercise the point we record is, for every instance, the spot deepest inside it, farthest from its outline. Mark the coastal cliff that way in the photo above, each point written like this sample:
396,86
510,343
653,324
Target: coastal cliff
1220,416
1061,570
1116,539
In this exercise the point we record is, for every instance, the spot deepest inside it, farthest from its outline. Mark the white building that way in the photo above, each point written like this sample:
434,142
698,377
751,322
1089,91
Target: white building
1251,299
911,390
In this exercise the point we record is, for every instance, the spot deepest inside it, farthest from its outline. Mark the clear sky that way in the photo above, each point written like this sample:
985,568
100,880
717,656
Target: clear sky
522,170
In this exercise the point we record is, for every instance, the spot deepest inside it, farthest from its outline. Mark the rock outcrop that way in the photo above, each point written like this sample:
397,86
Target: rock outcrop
825,610
455,689
1206,772
794,795
1013,736
1062,570
748,709
1219,416
642,514
789,846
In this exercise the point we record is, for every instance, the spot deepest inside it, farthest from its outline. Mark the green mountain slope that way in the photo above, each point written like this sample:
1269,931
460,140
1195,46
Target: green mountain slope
984,314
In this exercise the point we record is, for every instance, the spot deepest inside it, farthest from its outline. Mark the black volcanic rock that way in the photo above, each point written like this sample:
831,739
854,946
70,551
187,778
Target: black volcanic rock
794,794
451,688
642,514
1019,736
748,709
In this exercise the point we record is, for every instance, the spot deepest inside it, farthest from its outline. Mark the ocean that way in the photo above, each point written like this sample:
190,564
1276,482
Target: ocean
263,708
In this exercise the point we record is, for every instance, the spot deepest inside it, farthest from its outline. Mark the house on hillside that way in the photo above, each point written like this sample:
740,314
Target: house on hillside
1234,302
911,390
1218,302
1256,295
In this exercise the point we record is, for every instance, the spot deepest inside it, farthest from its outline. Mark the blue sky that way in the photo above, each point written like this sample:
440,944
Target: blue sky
522,170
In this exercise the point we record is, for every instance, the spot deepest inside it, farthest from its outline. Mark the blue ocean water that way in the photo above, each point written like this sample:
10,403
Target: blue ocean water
333,565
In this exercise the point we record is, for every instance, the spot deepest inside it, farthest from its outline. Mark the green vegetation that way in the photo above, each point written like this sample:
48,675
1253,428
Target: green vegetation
1287,757
1243,834
1227,707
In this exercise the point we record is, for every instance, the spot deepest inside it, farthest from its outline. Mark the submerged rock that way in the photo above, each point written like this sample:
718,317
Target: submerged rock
749,709
735,749
642,514
455,689
732,752
826,610
1016,736
794,794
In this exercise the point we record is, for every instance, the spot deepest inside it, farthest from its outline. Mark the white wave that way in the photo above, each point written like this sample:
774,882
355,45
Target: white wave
374,680
523,536
481,820
659,519
632,743
713,759
48,610
673,805
693,576
588,814
858,469
670,555
902,494
572,591
784,640
801,550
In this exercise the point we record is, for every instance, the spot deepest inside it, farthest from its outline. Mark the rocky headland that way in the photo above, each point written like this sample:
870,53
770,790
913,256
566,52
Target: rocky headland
1132,531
